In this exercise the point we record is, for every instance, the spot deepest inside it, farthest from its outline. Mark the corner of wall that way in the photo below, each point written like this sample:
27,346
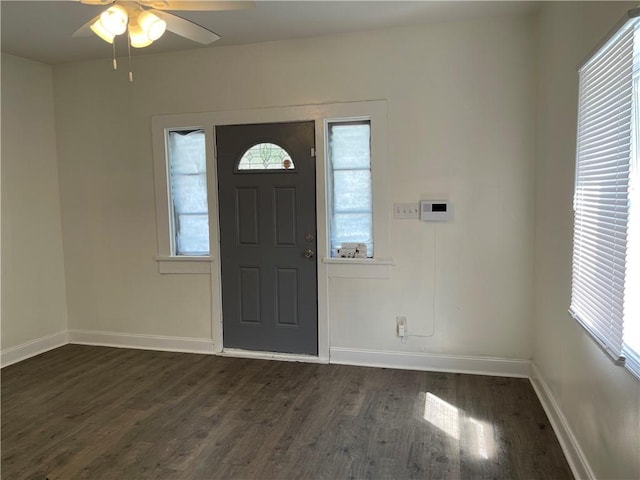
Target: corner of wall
34,297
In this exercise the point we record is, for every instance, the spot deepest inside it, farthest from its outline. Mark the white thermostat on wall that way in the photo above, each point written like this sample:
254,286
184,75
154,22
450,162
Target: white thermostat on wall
435,211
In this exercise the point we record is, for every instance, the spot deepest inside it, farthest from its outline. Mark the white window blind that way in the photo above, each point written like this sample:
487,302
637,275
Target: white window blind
605,150
631,339
188,192
351,195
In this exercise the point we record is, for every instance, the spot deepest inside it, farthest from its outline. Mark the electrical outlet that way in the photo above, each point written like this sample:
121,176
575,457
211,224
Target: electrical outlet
401,324
406,210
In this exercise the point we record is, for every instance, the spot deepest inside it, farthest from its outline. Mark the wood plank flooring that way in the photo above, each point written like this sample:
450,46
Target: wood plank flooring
81,412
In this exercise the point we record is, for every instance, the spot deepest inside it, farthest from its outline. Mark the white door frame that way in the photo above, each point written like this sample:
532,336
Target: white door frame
319,114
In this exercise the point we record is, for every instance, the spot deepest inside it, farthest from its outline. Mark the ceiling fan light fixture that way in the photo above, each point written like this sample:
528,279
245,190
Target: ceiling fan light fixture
114,19
99,29
138,37
151,25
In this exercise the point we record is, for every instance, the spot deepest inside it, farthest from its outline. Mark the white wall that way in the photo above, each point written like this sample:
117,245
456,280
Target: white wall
600,402
461,115
33,279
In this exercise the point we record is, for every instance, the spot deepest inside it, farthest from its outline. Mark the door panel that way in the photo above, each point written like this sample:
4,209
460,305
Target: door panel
269,288
250,295
287,296
285,213
247,215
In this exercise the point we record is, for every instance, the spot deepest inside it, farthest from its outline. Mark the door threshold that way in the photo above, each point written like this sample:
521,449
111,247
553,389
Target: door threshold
283,357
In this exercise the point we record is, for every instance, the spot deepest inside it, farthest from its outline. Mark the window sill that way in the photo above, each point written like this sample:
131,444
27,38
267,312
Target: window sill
631,360
358,267
184,264
632,363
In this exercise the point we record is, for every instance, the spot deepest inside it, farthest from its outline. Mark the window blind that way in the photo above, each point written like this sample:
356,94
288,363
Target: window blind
601,199
188,182
351,201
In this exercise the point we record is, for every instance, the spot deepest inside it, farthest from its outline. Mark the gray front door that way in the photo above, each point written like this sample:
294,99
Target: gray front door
267,202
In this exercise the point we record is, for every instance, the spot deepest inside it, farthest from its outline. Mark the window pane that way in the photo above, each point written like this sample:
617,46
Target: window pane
266,156
352,190
351,196
187,150
192,236
350,145
352,227
189,193
187,164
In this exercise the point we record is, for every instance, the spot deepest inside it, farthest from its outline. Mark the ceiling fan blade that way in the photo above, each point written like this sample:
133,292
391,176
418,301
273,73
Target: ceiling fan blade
85,30
191,5
97,2
186,28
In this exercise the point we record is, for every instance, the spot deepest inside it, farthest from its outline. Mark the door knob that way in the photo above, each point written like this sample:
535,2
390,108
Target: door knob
308,253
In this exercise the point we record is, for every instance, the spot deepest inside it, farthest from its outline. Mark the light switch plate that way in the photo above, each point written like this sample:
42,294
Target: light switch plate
406,210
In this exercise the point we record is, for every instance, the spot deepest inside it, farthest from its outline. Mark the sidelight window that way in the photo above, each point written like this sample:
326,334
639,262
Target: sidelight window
350,189
188,192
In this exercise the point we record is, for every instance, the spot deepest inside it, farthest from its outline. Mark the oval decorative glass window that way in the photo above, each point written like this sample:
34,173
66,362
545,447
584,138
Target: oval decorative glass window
266,156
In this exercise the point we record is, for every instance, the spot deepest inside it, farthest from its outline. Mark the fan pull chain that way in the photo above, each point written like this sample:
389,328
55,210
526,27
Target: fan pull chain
115,62
129,49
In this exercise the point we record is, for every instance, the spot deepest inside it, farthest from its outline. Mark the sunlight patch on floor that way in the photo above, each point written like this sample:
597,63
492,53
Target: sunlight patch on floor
480,437
442,415
477,435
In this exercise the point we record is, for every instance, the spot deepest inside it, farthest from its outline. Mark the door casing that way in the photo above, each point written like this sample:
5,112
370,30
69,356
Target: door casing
320,114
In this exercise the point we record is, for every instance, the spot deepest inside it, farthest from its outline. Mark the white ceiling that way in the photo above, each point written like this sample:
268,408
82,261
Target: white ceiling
41,30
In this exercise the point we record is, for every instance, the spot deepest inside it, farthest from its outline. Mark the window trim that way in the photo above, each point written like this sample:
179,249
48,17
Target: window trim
613,345
381,260
168,260
331,209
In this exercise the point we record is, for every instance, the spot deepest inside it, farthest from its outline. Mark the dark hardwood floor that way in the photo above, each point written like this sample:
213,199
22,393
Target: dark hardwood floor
82,412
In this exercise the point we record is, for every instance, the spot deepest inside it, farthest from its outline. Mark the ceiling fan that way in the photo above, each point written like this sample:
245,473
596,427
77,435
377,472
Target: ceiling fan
145,21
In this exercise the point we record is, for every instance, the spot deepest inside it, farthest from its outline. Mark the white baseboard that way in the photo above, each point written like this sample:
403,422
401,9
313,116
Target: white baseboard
500,367
142,342
572,451
31,349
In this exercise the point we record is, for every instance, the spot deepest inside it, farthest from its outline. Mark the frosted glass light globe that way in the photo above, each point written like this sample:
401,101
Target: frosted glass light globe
114,19
153,26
